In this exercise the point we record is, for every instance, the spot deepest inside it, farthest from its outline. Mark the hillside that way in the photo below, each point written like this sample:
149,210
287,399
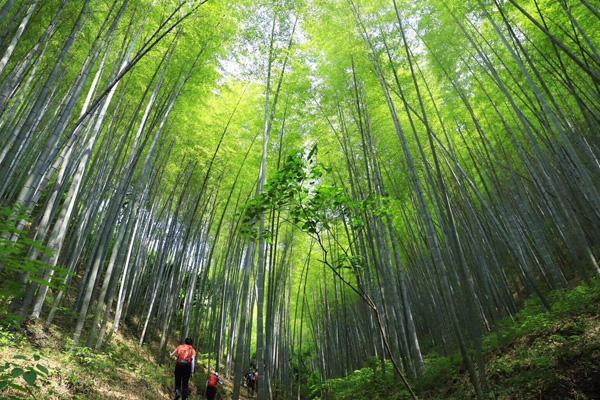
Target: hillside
121,371
550,355
540,355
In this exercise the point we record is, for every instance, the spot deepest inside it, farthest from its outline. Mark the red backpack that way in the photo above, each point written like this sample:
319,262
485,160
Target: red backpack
185,353
213,380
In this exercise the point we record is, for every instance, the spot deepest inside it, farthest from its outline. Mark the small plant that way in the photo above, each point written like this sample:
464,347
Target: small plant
22,381
7,338
89,358
77,385
438,369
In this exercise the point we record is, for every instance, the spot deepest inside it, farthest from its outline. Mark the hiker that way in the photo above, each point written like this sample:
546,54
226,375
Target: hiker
251,382
184,368
211,385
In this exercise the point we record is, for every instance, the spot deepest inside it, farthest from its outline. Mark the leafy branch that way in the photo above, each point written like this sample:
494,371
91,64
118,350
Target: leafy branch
22,380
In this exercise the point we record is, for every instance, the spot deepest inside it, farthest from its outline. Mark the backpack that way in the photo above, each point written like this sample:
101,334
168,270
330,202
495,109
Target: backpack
184,354
213,381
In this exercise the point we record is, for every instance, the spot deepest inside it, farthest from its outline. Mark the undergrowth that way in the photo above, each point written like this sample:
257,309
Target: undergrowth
42,364
550,354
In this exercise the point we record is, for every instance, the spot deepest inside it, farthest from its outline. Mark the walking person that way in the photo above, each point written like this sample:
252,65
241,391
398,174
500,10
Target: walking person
248,381
185,354
251,382
211,386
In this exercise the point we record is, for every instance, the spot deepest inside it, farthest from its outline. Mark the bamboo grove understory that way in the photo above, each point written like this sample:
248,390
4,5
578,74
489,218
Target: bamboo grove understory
457,174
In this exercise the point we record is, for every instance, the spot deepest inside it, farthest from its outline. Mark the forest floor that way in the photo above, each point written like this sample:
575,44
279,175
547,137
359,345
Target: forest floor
541,354
122,370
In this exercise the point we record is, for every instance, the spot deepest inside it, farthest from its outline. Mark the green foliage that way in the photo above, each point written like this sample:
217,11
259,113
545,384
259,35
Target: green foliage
298,188
438,369
366,383
13,247
78,384
87,357
109,361
532,319
78,373
19,380
584,299
14,259
8,338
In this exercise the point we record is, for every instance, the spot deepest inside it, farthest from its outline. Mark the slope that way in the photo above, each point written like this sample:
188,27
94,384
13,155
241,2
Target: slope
542,354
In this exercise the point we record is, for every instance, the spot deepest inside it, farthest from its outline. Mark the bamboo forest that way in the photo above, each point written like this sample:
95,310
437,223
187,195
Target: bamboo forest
300,199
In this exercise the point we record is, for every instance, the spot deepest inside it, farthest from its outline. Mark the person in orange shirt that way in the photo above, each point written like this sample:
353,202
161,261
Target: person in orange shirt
212,385
185,354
